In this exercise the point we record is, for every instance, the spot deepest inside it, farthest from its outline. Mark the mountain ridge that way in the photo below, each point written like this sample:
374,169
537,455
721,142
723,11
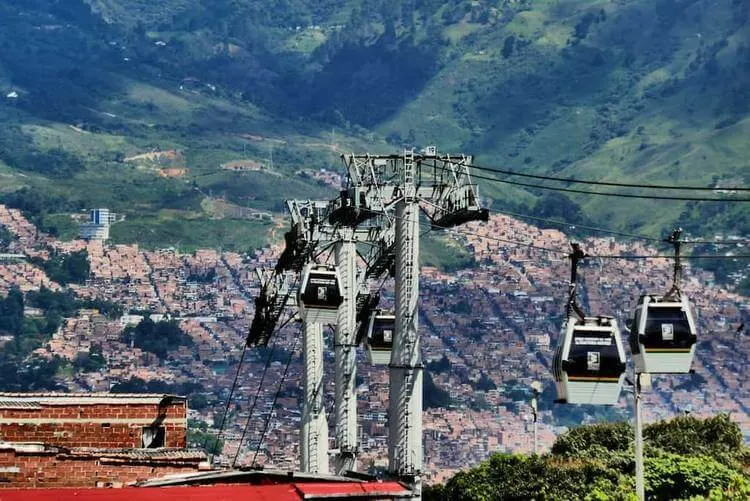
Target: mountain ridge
627,90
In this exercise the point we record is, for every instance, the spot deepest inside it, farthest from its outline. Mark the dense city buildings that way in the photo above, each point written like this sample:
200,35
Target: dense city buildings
488,332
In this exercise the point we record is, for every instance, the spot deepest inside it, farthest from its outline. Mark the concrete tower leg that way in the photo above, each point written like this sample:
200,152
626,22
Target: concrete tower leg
405,403
314,429
345,353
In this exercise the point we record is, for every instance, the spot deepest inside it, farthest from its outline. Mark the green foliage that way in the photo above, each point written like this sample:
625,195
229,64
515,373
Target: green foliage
517,477
716,437
92,362
66,268
188,234
64,303
199,437
447,255
485,383
432,395
28,374
685,457
579,441
55,162
138,385
11,312
6,237
440,366
159,338
671,476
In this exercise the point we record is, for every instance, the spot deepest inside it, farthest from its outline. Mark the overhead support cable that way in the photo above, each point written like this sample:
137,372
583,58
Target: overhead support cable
229,400
565,252
620,195
606,183
616,232
276,396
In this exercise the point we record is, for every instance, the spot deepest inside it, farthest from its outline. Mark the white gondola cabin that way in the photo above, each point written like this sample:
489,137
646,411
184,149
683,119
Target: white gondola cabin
320,294
589,363
663,334
380,338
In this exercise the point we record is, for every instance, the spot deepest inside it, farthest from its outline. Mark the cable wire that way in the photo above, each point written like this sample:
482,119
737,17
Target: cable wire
621,195
276,396
257,392
229,401
255,400
616,232
604,183
567,252
576,226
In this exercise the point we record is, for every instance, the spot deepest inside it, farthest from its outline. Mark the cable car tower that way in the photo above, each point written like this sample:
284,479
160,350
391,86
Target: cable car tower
394,186
327,295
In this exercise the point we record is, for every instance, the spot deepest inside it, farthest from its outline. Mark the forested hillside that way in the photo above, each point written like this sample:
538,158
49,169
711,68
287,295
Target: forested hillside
618,90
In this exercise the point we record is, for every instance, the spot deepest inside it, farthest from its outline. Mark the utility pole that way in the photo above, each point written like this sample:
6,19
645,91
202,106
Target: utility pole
639,470
314,428
536,387
345,357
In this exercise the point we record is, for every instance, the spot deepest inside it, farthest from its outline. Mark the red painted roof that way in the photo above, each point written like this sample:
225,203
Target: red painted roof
281,492
350,490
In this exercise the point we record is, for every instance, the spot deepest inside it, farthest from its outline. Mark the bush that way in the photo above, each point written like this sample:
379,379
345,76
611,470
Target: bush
672,476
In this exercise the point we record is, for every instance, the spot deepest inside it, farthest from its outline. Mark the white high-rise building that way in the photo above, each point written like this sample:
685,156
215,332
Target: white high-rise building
97,227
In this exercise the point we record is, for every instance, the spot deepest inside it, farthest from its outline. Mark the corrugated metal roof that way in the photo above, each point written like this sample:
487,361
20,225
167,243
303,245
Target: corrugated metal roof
87,398
19,404
162,454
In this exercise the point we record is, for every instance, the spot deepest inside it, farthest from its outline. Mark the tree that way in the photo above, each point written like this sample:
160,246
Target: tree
159,338
11,312
432,395
685,457
66,268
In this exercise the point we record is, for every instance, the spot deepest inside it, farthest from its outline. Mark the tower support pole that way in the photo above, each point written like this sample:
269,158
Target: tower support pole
314,427
345,360
405,402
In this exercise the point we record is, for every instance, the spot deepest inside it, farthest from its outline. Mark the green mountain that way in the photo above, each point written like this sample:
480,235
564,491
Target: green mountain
652,91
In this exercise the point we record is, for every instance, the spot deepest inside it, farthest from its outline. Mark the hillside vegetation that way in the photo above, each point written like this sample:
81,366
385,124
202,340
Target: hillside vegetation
619,90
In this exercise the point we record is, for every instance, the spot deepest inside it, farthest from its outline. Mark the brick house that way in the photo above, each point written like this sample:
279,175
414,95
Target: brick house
92,439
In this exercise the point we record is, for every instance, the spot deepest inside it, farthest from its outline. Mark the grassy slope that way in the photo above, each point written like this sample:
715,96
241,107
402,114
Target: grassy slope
644,96
637,95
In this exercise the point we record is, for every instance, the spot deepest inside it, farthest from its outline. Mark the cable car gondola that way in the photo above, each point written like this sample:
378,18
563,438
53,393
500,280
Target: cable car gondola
589,363
320,294
380,337
663,328
663,335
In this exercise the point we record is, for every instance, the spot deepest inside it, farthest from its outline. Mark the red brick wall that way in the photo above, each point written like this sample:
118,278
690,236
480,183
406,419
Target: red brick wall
53,470
99,425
